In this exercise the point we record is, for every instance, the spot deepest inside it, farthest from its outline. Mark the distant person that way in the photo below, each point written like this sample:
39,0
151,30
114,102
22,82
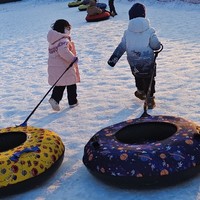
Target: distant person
86,2
92,9
112,8
139,41
61,54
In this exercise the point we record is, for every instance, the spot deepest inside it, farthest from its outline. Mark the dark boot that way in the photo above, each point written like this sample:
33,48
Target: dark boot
140,95
113,13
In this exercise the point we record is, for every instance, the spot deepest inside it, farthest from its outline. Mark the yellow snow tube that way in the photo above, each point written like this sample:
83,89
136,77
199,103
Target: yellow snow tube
26,153
75,3
83,7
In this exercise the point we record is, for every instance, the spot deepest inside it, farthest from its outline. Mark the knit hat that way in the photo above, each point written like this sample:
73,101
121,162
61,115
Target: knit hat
137,10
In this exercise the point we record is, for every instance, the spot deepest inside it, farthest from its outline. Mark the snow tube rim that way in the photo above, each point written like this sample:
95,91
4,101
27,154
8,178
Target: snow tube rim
105,146
41,149
96,18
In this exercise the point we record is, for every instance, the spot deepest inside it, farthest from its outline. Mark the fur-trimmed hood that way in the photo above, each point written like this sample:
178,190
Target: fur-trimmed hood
54,36
138,25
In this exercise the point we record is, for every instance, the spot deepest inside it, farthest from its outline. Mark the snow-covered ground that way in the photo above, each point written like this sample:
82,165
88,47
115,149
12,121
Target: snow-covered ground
105,94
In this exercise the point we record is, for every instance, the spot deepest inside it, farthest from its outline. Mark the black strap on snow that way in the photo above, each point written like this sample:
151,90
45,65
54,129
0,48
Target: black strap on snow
25,122
145,114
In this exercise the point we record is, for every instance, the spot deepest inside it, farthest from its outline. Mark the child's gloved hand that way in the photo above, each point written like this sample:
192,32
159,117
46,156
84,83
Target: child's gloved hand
112,61
76,59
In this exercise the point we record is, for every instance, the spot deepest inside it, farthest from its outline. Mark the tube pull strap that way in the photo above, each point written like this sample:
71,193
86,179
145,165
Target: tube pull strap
145,114
25,122
15,157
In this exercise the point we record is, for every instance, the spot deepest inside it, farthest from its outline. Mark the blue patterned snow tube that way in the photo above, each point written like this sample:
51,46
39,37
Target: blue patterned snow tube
145,151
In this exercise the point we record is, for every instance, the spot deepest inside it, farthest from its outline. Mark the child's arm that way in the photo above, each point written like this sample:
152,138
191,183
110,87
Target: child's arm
118,52
154,42
66,53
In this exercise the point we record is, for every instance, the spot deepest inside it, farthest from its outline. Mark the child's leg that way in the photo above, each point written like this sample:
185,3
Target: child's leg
57,93
139,83
112,7
140,93
71,94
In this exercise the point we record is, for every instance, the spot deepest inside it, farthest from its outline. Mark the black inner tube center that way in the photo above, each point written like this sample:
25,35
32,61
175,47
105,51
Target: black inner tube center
10,140
146,132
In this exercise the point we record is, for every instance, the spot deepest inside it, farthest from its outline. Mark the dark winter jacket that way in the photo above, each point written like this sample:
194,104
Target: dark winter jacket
139,42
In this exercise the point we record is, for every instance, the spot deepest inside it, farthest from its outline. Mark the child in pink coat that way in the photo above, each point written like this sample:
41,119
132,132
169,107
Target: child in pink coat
61,54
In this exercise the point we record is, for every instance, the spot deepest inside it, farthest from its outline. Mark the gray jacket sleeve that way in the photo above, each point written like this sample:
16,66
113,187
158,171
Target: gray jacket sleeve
154,43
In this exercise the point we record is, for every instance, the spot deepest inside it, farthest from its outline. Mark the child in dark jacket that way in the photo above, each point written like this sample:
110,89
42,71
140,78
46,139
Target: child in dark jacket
139,42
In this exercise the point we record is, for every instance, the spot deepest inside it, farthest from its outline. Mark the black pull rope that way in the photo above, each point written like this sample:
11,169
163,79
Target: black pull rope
145,114
25,122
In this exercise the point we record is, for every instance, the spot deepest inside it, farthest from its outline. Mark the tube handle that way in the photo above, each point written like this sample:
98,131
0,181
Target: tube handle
15,157
95,142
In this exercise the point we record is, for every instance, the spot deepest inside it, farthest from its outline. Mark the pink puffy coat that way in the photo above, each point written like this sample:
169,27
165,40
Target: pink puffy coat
61,53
